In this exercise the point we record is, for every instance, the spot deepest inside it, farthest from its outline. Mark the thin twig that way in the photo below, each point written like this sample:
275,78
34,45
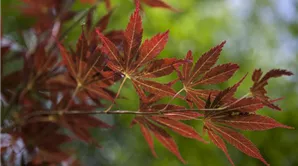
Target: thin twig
80,112
73,96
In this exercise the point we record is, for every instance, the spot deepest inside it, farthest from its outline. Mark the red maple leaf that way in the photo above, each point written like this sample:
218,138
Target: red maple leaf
202,73
137,61
258,88
226,111
87,72
154,124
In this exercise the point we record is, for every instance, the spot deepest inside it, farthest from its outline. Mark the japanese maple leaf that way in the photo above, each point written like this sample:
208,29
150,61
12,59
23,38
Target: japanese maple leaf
237,114
203,73
258,88
137,61
87,72
40,68
169,118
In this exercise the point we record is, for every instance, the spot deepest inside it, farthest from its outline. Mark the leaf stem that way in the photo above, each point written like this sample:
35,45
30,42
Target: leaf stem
72,97
181,90
118,93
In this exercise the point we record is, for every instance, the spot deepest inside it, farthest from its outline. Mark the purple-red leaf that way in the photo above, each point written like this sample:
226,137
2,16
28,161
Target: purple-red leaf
160,67
67,60
220,144
155,88
251,122
185,115
190,95
240,142
218,74
151,48
133,35
258,88
110,49
206,61
188,66
147,135
103,22
246,105
166,140
179,128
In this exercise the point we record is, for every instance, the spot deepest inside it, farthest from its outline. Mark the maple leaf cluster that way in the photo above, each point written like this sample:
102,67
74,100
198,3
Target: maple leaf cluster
60,88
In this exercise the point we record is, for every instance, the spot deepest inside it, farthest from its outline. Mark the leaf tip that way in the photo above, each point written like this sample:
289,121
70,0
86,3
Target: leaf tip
223,43
137,2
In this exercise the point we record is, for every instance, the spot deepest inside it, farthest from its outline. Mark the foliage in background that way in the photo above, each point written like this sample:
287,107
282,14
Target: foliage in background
48,93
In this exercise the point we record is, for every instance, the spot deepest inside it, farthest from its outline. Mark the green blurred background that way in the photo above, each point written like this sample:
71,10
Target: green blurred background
259,34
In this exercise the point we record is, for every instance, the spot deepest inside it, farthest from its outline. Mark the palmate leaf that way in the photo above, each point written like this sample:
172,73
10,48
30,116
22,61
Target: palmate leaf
218,74
202,73
164,138
240,142
154,124
189,115
258,88
87,71
137,61
147,135
238,114
220,144
251,122
179,127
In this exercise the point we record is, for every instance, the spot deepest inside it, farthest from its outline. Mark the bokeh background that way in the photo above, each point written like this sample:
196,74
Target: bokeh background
259,34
